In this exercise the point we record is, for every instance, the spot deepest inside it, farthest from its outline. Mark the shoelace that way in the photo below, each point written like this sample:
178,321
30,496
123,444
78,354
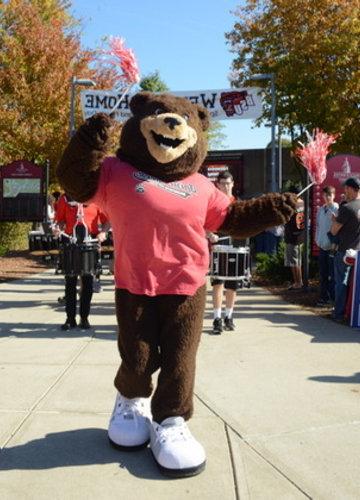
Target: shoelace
131,406
172,433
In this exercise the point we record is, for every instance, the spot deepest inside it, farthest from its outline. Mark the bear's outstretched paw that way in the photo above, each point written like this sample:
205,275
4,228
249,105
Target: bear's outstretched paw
284,205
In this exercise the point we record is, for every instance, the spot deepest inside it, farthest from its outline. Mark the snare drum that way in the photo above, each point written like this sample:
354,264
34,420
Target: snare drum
80,259
230,263
37,243
42,244
53,244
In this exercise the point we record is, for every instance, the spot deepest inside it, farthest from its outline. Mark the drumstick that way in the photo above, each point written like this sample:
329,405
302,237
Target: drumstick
305,189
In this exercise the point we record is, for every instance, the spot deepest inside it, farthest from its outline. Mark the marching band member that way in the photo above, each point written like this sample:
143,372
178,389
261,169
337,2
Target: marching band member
225,183
67,214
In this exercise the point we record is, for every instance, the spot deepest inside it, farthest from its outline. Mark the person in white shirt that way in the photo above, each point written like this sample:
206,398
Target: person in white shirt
326,258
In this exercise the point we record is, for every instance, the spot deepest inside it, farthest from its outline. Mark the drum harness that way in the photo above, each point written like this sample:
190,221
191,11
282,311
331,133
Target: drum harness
80,221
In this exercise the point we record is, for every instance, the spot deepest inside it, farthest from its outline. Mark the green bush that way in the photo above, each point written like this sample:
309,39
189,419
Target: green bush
272,267
14,235
3,250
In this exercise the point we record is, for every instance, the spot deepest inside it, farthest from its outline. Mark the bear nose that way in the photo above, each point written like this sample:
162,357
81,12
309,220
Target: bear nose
172,122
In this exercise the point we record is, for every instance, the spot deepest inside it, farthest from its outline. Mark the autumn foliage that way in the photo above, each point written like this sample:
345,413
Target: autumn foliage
40,51
313,49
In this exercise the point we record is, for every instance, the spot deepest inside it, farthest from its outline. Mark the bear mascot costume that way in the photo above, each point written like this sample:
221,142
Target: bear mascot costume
160,208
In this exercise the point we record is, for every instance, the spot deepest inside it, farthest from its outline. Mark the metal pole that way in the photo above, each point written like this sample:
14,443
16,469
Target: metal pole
273,139
47,173
72,107
307,236
280,172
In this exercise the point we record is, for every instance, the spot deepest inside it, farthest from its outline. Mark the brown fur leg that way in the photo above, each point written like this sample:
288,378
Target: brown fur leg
137,342
181,327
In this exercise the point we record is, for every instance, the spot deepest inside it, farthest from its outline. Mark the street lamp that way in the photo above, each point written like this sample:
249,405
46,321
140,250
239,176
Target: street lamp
74,83
271,77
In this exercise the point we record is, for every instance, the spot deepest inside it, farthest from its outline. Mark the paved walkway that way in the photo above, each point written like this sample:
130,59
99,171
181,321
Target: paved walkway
277,404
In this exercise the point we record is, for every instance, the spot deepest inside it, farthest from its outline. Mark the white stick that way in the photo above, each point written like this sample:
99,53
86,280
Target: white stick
305,189
121,98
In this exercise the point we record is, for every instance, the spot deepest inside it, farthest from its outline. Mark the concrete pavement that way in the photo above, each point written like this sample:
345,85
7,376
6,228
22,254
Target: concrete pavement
277,404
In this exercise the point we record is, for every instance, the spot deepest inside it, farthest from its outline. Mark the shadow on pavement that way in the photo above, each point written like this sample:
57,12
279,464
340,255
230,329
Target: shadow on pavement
46,331
76,448
352,379
320,329
99,308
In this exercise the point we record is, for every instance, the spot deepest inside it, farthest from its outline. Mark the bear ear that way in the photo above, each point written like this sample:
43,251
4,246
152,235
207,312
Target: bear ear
204,116
139,101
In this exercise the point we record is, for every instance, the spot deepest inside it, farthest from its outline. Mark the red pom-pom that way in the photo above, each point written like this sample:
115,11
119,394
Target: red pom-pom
313,155
123,60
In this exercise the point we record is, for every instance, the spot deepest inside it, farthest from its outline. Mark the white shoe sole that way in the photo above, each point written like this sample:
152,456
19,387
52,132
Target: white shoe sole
178,473
129,448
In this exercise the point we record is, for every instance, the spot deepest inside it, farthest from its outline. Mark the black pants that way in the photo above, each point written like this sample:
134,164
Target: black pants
327,278
85,295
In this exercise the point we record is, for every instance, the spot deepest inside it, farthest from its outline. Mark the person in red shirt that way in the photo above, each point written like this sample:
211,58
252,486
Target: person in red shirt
66,218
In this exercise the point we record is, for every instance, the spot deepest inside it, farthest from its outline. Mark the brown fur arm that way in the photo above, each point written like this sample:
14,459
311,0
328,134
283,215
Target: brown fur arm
79,169
250,217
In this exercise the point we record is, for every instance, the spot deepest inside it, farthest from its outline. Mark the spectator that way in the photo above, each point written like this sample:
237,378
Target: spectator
273,237
294,235
326,257
346,226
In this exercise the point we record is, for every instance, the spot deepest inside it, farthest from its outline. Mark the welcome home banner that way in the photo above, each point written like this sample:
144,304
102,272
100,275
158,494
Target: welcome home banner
225,104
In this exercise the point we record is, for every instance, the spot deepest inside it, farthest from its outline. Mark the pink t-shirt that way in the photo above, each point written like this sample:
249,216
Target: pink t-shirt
159,228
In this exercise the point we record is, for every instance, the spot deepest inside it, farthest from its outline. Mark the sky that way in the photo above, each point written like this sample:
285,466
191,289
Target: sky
182,39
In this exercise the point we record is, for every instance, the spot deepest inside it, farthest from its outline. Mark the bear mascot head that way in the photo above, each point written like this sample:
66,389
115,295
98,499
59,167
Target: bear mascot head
165,137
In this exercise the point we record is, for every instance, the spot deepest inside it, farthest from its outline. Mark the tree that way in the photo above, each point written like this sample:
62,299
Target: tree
216,136
313,50
153,83
39,52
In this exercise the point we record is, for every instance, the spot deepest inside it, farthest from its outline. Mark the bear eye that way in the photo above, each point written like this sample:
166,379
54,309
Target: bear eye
186,117
158,111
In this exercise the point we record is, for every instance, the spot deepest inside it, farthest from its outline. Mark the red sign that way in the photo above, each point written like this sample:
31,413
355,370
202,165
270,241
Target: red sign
339,168
22,195
22,169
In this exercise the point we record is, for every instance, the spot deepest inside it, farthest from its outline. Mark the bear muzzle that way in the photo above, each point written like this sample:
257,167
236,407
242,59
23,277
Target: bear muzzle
168,136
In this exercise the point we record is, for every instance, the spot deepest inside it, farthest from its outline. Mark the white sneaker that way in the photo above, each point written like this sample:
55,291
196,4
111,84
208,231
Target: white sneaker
129,426
176,451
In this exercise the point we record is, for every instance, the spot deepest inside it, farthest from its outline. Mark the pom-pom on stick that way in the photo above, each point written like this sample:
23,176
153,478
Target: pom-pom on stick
313,155
123,60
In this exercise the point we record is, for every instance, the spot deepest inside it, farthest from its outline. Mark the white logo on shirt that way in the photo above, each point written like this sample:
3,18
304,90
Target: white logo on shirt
176,188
